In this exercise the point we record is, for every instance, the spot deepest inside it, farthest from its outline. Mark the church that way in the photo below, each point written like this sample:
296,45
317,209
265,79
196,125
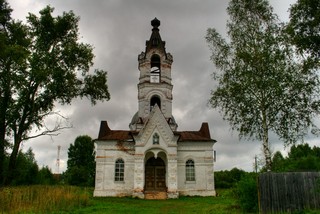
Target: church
153,160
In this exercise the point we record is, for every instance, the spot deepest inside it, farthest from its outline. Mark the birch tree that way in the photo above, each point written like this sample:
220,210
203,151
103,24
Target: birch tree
261,87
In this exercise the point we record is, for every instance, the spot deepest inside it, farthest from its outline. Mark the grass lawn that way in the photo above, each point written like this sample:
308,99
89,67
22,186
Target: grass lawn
69,199
224,203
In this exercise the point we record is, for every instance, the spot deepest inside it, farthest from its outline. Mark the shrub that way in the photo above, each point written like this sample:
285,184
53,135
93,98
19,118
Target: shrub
247,193
227,179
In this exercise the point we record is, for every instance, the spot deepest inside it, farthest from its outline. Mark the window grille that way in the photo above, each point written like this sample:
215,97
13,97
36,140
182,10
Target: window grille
190,171
119,170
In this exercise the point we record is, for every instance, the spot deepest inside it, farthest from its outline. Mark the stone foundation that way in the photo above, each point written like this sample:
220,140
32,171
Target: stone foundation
203,193
138,195
111,193
155,195
173,195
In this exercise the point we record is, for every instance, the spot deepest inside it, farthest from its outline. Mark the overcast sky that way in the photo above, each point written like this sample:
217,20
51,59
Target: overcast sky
118,30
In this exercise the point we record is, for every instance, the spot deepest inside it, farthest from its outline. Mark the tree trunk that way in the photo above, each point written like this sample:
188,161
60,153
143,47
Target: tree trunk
267,152
13,160
2,142
4,104
3,109
265,144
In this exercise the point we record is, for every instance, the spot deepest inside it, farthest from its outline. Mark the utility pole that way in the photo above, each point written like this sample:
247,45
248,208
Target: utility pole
256,163
58,160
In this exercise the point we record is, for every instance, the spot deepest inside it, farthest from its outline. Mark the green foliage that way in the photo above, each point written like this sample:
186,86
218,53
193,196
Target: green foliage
244,186
42,62
261,88
45,177
247,193
81,162
27,170
304,30
228,179
300,158
278,163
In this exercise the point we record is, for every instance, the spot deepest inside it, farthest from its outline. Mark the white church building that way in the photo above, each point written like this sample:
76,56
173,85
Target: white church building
153,159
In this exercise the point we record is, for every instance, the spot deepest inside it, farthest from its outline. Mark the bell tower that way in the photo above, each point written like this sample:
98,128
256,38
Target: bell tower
154,87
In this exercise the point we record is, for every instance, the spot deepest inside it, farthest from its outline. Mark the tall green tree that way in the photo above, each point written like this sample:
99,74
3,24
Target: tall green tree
261,89
304,30
81,162
26,170
42,62
46,177
278,162
5,21
300,158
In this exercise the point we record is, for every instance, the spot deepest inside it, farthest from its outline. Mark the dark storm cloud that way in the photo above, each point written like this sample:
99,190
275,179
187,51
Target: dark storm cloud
118,29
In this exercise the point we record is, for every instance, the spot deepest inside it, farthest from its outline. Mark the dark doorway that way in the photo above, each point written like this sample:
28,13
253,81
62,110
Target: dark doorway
155,175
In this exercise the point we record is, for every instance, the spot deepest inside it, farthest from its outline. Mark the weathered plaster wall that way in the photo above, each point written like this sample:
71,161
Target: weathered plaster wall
106,155
202,155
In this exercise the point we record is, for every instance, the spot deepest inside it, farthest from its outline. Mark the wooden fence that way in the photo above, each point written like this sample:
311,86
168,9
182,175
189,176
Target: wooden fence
289,192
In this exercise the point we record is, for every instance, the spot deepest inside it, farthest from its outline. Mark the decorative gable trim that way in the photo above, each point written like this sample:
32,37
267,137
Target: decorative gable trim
157,121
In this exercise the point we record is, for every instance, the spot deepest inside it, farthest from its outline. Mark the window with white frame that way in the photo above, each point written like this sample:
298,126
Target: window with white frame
119,170
190,171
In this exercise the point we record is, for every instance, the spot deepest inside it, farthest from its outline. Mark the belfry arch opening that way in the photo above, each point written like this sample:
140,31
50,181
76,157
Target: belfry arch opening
155,100
155,69
155,61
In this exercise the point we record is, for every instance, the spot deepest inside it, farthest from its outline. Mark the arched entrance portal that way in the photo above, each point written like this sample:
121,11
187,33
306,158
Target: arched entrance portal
155,175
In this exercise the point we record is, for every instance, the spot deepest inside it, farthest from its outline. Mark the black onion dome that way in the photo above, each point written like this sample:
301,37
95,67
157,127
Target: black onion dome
155,23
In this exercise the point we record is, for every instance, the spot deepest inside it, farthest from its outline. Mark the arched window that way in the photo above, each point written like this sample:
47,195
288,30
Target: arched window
155,100
190,171
119,170
155,69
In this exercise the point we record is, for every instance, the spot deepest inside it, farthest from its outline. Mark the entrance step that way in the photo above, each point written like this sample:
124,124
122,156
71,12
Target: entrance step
155,195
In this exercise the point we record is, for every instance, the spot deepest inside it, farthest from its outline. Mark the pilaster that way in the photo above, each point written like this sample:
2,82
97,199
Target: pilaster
172,177
138,186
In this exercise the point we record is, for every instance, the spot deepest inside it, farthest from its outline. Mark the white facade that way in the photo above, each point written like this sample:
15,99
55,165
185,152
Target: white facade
153,156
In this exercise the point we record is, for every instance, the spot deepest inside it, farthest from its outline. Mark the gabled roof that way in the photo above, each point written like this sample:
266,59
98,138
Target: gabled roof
202,135
106,133
191,136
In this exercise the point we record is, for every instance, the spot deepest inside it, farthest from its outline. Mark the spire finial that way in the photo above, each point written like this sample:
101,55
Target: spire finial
155,23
